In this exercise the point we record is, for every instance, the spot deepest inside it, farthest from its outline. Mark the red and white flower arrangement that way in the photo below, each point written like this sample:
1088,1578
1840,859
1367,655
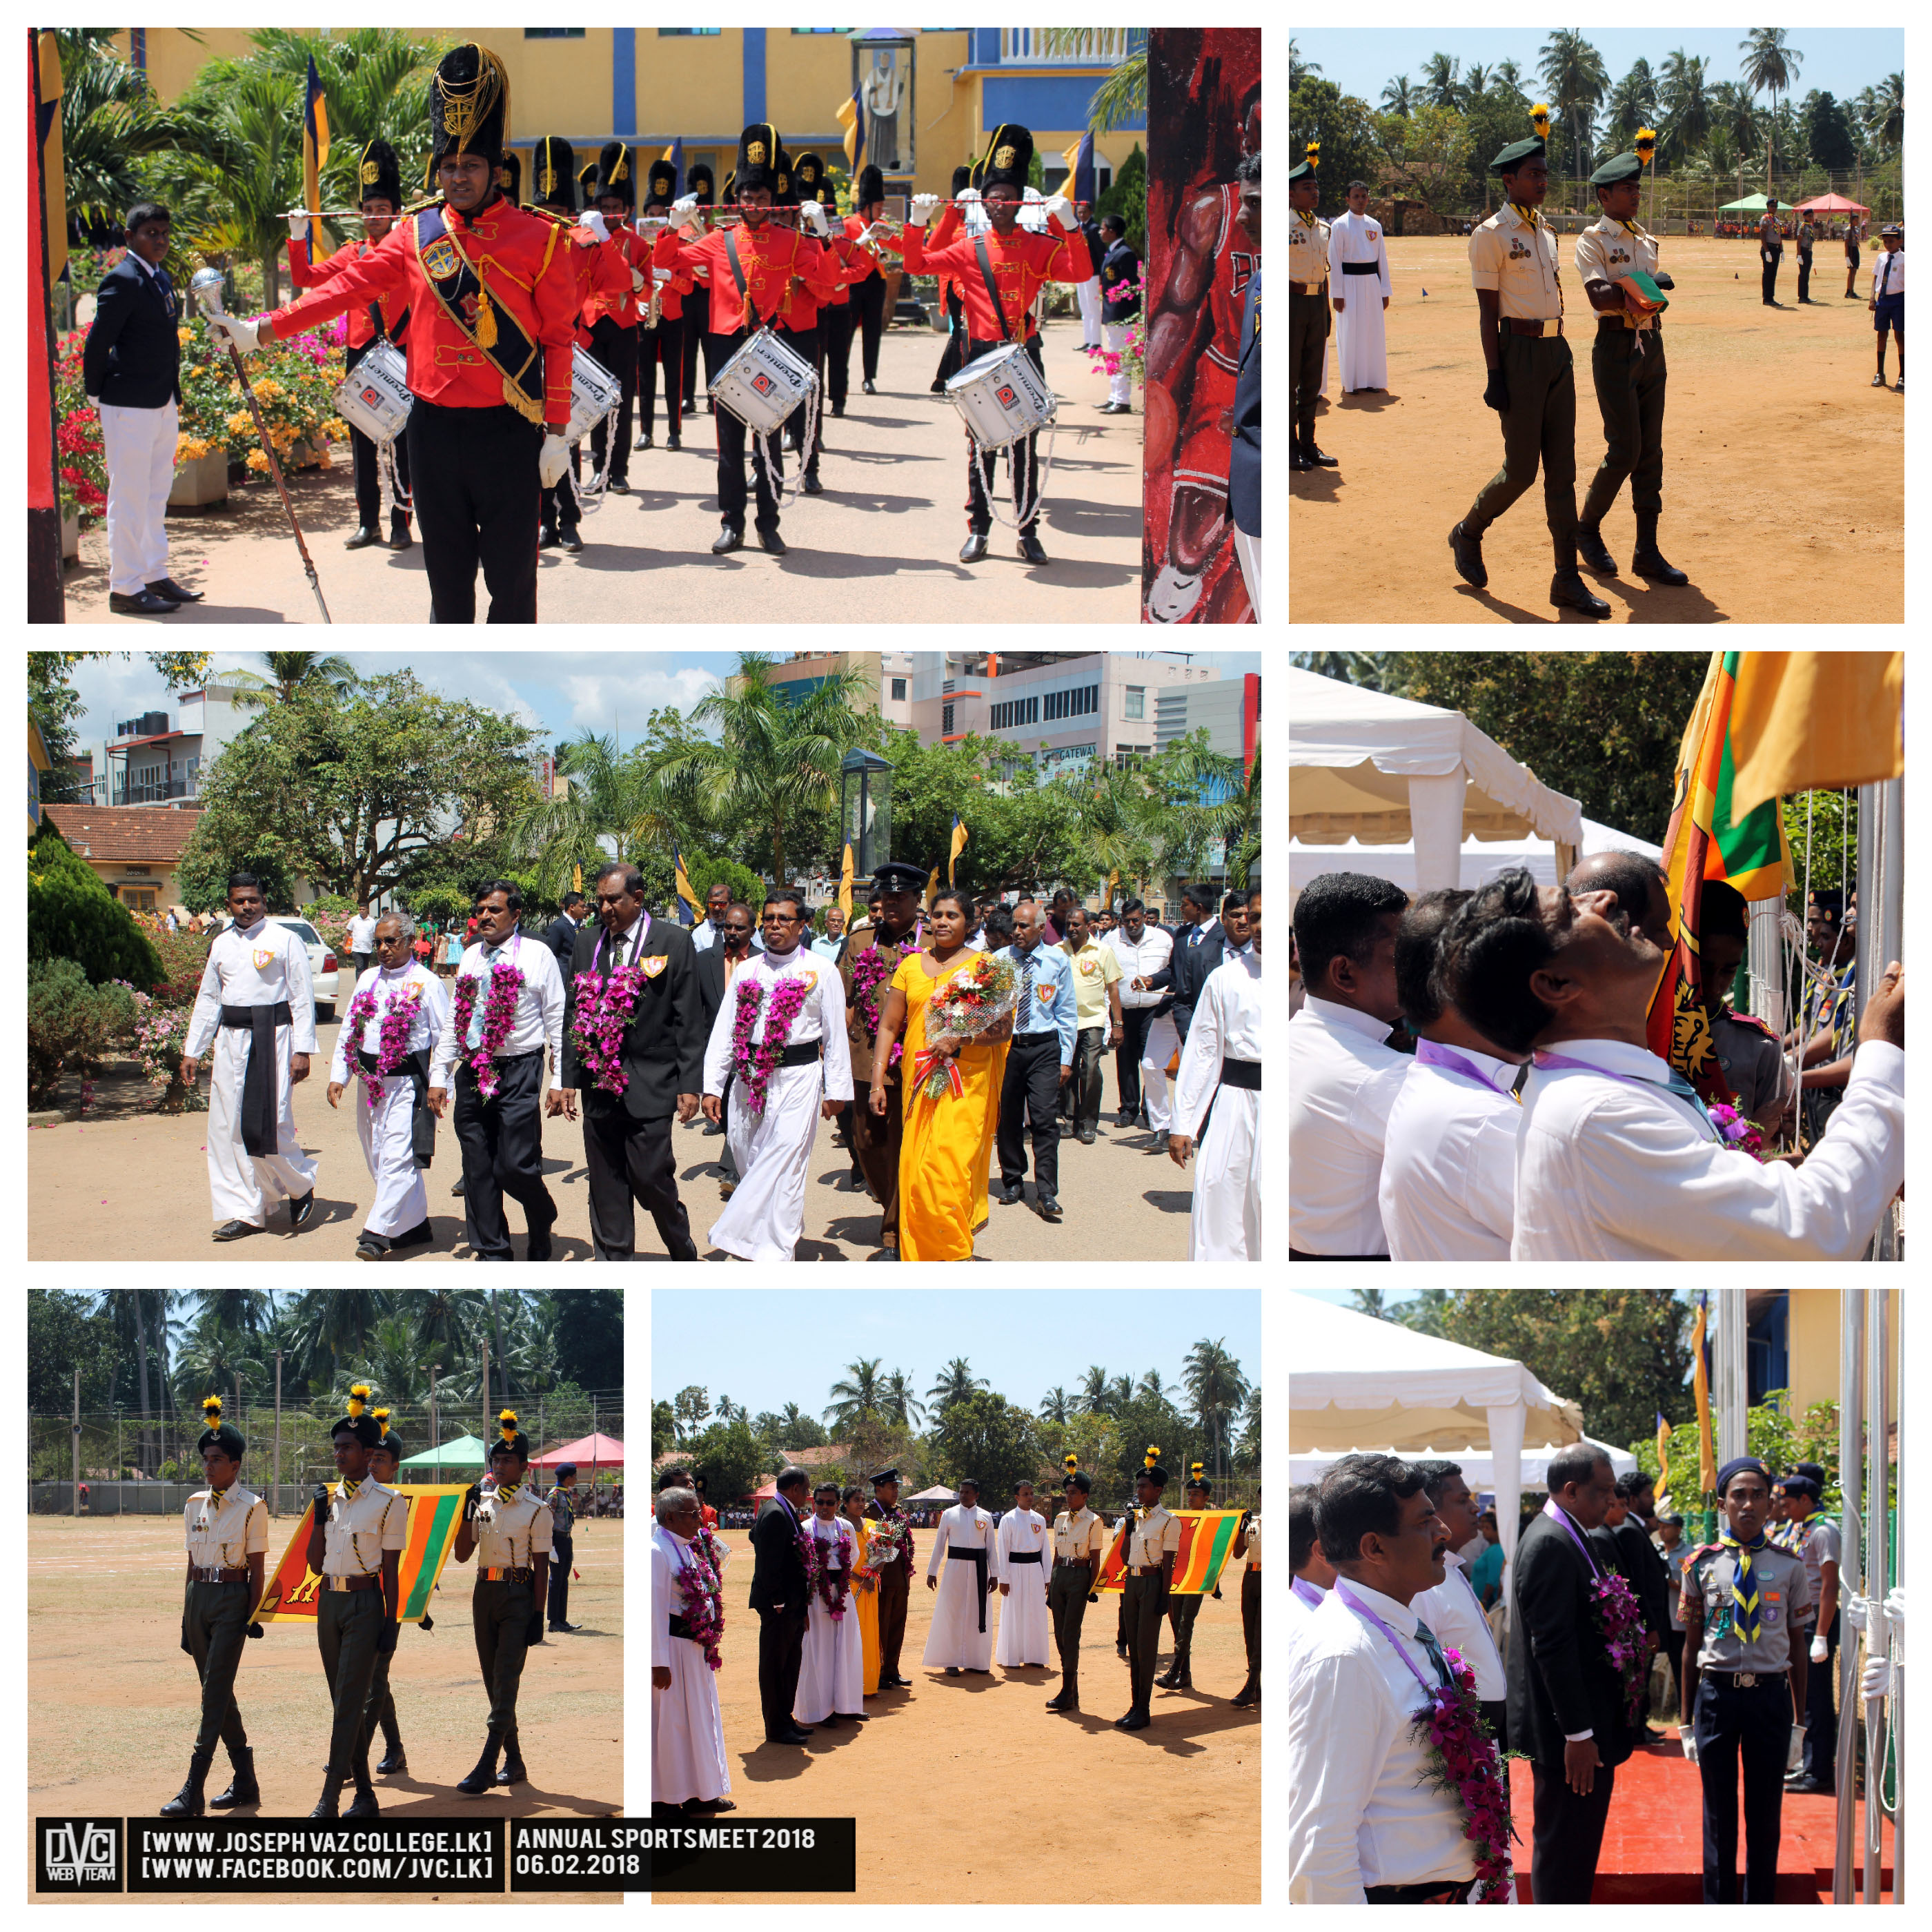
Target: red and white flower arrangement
973,1002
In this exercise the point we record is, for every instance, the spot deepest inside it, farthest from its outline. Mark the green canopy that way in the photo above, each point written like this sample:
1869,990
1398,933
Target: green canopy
1752,204
461,1452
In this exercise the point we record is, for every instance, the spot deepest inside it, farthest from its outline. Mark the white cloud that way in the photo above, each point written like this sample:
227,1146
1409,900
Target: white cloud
629,697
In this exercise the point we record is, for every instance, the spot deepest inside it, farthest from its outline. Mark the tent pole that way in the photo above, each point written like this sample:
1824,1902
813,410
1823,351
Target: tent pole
1878,1630
1851,1575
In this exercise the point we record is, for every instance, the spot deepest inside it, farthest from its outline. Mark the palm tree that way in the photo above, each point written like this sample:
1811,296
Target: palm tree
1297,66
1883,115
1439,88
1056,1405
609,801
956,1382
1632,103
1475,85
1685,100
1152,1388
1733,109
328,1326
107,124
1573,71
730,1412
856,1397
291,674
1119,1393
1249,1448
1217,1388
1769,63
395,1362
1095,1391
897,1403
1507,73
1399,98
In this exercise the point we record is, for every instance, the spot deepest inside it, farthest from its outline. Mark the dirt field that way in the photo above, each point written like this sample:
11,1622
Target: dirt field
934,1755
112,1718
1783,477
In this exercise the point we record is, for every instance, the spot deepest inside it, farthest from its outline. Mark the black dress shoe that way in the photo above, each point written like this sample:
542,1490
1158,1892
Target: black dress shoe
1087,1137
644,442
973,548
674,442
952,1670
537,1247
886,1255
690,405
370,1247
831,1722
1132,1721
1011,1193
939,388
233,1231
1808,1786
1567,589
142,603
727,541
399,533
364,1805
414,1237
547,537
1319,457
710,407
1032,549
770,540
618,487
871,388
165,587
812,487
1124,1118
365,534
1469,553
570,541
1050,1209
393,1761
797,1735
301,1208
838,409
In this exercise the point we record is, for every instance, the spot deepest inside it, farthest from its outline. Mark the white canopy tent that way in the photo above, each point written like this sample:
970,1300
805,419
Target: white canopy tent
1381,770
1478,1465
1483,859
1357,1381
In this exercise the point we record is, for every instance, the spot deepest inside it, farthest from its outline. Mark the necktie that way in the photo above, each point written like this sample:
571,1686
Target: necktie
1026,989
1744,1586
167,289
1426,1637
1884,275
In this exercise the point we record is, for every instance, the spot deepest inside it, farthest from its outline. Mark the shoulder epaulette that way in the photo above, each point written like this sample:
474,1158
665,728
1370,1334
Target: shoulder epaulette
1751,1020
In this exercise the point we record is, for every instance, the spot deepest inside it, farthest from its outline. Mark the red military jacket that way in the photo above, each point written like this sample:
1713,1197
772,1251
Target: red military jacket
526,267
628,246
306,273
855,263
769,255
603,277
1021,264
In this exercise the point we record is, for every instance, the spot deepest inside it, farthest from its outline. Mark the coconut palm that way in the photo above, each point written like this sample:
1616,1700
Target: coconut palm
730,1412
1439,85
1217,1389
1573,72
395,1364
1632,104
1119,1393
1399,98
1152,1388
1684,96
1769,63
1095,1391
1475,84
1882,111
897,1403
209,1353
108,122
857,1396
1507,73
1297,66
610,805
955,1382
328,1327
291,674
1056,1406
1733,108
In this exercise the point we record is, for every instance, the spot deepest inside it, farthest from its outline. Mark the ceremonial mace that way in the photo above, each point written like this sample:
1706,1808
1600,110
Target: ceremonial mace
205,284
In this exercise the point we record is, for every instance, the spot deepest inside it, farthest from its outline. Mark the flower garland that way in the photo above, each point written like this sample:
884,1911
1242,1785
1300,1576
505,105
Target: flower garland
871,973
704,1598
499,1015
1744,1134
1627,1643
756,1063
392,1036
1462,1758
820,1579
603,1011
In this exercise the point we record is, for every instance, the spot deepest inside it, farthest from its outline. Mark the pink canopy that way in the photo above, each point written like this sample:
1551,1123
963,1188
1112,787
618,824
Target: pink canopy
1832,204
596,1450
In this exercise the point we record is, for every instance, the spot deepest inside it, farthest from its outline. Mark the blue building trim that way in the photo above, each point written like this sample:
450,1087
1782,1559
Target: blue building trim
755,74
986,46
624,81
1042,100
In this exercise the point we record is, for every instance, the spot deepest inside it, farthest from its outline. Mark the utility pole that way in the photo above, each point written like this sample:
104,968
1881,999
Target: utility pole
275,1481
434,1440
76,1442
489,1407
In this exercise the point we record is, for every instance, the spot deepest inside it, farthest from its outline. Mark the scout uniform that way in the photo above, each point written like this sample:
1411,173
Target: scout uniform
1754,1066
1628,365
224,1527
382,1711
1888,300
1078,1534
562,1504
1309,321
1756,1600
512,1529
1182,1611
1771,252
1818,1540
362,1521
1250,1693
1154,1534
1808,237
1514,253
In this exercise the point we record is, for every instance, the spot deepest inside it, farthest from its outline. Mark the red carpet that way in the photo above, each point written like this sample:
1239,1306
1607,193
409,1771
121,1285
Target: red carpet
1653,1844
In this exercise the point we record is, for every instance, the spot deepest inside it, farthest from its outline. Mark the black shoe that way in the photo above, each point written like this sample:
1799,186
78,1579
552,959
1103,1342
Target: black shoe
797,1735
233,1231
644,442
513,1771
1119,1650
710,407
1032,549
242,1789
188,1802
870,388
1049,1209
1065,1701
838,409
537,1248
481,1778
690,405
973,548
399,531
674,442
952,1670
769,540
1649,561
939,388
413,1238
1125,1118
569,540
1087,1137
364,1805
1808,1786
1567,588
300,1208
458,1188
547,537
142,604
1171,1679
812,487
328,1805
1247,1699
830,1722
1296,460
393,1760
1590,547
371,1247
165,587
569,1629
1011,1193
1132,1721
1468,555
886,1255
365,534
618,487
727,541
1319,458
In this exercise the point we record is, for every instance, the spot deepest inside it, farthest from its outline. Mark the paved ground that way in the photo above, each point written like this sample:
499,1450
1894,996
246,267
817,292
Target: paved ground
1123,1198
882,543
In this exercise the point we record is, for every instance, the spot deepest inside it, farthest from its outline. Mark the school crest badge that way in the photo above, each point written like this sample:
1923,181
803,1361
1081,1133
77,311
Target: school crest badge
439,259
651,968
264,957
1044,995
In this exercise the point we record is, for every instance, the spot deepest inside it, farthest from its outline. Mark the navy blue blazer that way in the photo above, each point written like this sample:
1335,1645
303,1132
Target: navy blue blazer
132,358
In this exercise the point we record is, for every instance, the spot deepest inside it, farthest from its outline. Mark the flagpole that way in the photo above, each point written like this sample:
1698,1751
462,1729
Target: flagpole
1851,1571
1733,1391
1878,1629
1881,888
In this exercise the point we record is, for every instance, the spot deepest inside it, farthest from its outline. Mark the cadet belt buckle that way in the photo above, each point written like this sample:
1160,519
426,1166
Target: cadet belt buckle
505,1576
350,1583
1744,1680
1553,325
1308,288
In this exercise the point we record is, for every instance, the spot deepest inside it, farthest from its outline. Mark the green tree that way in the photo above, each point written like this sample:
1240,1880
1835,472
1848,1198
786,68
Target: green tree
1440,87
1632,104
590,1336
608,807
1684,100
984,1435
1769,63
1096,1397
1297,66
954,1383
1573,72
691,1406
57,707
1883,116
856,1397
107,123
289,675
897,1403
1501,116
1056,1406
1317,110
740,881
1368,670
663,1429
1125,195
1217,1389
71,915
1399,98
796,1430
1828,133
729,1456
1428,153
64,1333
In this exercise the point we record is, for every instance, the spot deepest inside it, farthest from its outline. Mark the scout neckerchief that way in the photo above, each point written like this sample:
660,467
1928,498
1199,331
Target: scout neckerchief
1676,1084
1557,1514
1743,1584
497,334
1432,1053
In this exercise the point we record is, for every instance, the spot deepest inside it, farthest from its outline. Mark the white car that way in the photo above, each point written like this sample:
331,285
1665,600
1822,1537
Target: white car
321,961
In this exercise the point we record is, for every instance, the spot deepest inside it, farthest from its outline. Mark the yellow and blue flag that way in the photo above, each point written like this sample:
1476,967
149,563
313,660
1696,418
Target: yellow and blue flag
958,846
680,880
845,884
1079,186
315,156
674,155
851,117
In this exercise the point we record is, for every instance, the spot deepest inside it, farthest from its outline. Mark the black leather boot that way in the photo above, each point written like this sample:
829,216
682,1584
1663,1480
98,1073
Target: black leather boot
480,1780
1567,589
1170,1679
1468,554
1649,560
399,530
188,1801
1249,1696
1069,1698
244,1789
1590,547
361,537
393,1759
328,1805
513,1771
364,1805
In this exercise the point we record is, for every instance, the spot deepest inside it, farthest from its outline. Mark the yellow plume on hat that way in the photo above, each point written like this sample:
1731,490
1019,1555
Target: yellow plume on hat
506,1425
1196,1469
358,1396
382,1415
1072,1461
1646,143
1153,1456
1312,152
211,1409
1539,116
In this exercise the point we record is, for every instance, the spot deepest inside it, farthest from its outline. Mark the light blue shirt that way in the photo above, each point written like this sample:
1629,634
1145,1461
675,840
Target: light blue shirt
1051,967
827,949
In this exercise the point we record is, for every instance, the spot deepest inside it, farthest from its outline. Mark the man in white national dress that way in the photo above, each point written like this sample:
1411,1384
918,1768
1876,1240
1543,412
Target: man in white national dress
392,1122
1024,1544
257,1010
771,1149
1359,284
1220,1077
832,1668
964,1566
688,1766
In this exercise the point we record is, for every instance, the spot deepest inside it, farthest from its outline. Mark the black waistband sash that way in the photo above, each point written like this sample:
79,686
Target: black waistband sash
422,1122
977,1557
261,1108
1361,268
1024,1556
1245,1073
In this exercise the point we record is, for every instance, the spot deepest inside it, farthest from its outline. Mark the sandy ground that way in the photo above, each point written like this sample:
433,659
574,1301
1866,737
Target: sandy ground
882,543
113,1718
1122,1197
1783,478
932,1756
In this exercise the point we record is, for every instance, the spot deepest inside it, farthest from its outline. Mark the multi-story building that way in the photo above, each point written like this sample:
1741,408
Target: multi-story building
888,675
148,761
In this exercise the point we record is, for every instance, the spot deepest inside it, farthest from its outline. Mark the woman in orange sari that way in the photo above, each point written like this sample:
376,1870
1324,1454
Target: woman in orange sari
945,1153
865,1585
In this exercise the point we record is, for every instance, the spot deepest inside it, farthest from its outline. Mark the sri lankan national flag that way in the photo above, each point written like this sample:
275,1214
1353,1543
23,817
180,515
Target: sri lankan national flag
435,1513
1207,1542
1704,842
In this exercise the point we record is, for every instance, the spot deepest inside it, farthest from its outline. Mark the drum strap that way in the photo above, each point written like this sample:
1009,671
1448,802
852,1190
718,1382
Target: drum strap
383,332
992,287
738,276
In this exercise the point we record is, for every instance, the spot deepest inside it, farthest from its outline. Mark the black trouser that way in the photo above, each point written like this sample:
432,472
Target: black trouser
810,343
364,457
781,1650
836,324
348,1626
500,1614
1567,1836
1251,1621
1630,393
893,1596
717,353
380,1715
501,1141
629,1162
476,472
1431,1892
215,1624
869,298
732,437
1022,458
1539,430
1134,1021
1144,1599
1821,1735
1770,257
697,319
953,357
616,347
1031,1088
876,1140
1080,1098
1308,326
1755,1726
1181,1613
1067,1590
1673,1643
663,344
1805,274
560,507
556,1592
363,962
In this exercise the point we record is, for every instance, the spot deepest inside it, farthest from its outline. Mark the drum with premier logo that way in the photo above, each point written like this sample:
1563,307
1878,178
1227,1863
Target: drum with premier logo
374,396
594,393
1002,396
764,381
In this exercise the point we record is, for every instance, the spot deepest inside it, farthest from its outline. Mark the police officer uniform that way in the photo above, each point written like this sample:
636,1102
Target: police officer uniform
1153,1536
1078,1535
1309,321
1250,1693
1753,1065
1770,252
224,1529
381,1706
1755,1601
894,1587
1183,1610
1628,365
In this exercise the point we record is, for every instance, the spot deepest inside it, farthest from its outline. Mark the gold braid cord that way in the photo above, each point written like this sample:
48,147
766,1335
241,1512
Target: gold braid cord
467,104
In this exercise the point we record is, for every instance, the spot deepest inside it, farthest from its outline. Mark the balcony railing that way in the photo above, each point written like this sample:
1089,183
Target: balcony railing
156,791
1080,47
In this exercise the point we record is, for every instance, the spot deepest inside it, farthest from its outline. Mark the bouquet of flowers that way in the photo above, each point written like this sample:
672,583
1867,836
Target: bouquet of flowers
891,1540
973,1002
1747,1136
1462,1758
1627,1643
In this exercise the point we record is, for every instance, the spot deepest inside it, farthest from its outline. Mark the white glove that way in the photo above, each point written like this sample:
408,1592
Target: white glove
297,228
597,225
661,274
636,281
684,212
553,460
1820,1649
1688,1738
1794,1756
236,333
1877,1678
1855,1609
922,206
813,214
966,197
1060,209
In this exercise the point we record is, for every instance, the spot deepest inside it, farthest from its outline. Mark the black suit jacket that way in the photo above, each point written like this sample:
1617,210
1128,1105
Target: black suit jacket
1187,972
1638,1559
778,1570
560,936
1119,264
1560,1681
710,985
1244,456
132,359
663,1045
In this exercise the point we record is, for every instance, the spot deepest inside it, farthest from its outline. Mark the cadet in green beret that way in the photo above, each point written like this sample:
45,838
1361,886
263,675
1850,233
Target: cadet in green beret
1532,387
385,1462
1628,366
1308,323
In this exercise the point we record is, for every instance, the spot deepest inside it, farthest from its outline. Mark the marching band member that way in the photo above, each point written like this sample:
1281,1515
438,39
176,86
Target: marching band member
493,301
953,357
699,182
871,298
846,262
1017,265
614,317
379,182
510,177
665,342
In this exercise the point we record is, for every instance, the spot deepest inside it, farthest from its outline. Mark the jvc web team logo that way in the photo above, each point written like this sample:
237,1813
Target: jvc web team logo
79,1855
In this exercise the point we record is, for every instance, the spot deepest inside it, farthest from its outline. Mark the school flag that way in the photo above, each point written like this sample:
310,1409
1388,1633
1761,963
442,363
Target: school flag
1079,160
851,117
1706,1448
931,886
845,885
1816,720
1207,1541
1705,841
48,88
315,156
958,846
1663,1449
674,155
435,1513
681,881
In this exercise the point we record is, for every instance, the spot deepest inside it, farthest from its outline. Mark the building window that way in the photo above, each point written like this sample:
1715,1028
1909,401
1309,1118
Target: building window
553,33
140,898
1015,711
898,690
945,722
1136,706
681,33
1077,703
1125,755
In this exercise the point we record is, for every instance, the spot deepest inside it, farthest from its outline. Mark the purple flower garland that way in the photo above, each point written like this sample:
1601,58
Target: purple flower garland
871,973
819,1578
1626,1644
499,1015
756,1063
704,1598
392,1036
1463,1758
603,1009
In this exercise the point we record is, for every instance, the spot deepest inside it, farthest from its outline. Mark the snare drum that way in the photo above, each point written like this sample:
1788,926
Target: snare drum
764,382
374,397
594,393
1002,396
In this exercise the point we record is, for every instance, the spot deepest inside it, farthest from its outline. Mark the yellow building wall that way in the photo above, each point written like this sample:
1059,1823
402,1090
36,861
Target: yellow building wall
808,77
692,85
1812,1329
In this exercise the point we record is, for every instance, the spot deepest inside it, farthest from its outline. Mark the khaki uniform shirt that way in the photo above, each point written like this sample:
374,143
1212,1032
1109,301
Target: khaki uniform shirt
512,1531
1076,1537
1152,1536
1307,254
1520,263
225,1529
364,1519
1610,250
1753,1065
1784,1599
1253,1555
862,937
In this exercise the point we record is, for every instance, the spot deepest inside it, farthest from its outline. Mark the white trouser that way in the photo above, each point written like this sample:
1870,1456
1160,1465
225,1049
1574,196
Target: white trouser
387,1132
1226,1223
1161,1044
1120,384
1089,293
765,1217
243,1185
139,446
1248,555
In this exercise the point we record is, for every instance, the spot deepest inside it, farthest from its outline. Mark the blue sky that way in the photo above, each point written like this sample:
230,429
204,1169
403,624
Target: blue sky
1363,61
765,1347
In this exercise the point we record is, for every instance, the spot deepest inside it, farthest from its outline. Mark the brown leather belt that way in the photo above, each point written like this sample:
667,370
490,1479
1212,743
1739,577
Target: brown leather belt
352,1582
505,1576
217,1576
1516,324
1144,1569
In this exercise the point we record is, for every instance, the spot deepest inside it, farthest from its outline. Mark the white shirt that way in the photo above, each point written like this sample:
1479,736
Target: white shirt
1342,1081
1448,1185
1227,1025
1024,1530
704,936
1357,237
1451,1610
362,933
1140,962
224,1527
430,1022
513,1528
1609,1171
359,1527
262,967
1359,1811
1888,270
822,1017
539,1015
